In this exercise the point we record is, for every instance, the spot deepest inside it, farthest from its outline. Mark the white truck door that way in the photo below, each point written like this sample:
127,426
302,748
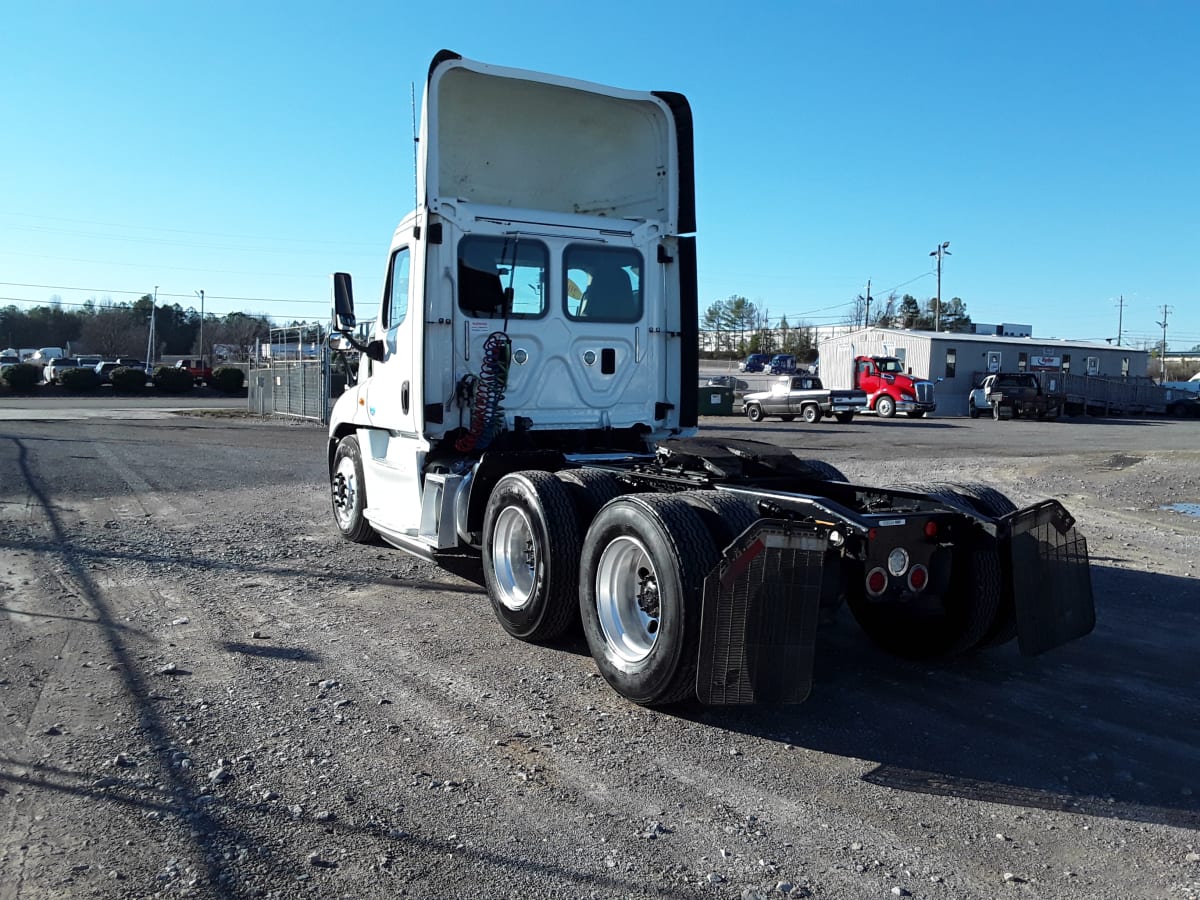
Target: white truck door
392,398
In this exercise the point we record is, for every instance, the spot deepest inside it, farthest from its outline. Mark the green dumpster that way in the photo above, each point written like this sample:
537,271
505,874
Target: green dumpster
715,400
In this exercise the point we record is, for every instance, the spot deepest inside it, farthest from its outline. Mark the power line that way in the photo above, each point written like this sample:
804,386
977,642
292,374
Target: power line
38,303
156,229
143,293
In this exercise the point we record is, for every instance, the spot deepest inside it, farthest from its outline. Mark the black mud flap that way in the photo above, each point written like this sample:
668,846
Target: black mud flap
1051,579
759,621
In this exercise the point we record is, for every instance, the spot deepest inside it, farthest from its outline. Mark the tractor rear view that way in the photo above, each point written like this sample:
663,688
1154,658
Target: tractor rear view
525,409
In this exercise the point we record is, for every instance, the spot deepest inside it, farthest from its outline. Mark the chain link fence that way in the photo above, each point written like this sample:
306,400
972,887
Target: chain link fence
293,375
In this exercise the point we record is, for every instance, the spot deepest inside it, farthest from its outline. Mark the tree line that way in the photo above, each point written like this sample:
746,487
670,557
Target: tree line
737,326
123,329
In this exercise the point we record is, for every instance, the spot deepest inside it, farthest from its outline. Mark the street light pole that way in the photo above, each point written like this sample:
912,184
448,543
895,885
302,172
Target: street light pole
200,293
150,339
939,251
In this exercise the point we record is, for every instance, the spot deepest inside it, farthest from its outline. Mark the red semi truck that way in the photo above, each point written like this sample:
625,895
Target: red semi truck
890,389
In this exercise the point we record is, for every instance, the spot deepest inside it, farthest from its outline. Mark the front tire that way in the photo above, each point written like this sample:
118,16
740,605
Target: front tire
349,492
531,541
754,412
885,407
641,574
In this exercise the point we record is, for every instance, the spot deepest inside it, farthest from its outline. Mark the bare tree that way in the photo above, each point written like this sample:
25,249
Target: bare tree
241,332
113,332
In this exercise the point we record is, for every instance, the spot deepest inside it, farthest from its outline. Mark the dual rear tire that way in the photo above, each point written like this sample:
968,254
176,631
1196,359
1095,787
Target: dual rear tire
633,577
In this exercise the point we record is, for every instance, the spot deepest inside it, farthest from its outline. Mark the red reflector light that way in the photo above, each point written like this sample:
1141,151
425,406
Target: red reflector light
918,578
871,534
876,582
931,529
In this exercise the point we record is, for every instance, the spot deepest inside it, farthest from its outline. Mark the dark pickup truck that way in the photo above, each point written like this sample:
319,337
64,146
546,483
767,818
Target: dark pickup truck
806,397
1012,395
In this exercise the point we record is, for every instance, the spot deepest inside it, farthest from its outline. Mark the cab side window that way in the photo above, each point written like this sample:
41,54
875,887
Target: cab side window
395,302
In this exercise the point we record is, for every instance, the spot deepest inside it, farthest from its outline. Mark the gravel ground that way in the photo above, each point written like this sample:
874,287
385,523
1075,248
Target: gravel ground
205,692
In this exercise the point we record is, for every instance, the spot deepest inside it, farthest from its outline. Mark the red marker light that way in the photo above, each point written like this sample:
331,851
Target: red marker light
918,578
876,582
931,529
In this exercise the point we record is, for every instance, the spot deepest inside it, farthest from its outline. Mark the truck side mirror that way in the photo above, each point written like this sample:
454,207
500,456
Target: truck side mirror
343,303
375,350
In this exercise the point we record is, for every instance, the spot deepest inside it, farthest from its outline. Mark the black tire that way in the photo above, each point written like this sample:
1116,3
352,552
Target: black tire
973,411
590,489
811,413
885,407
992,502
531,544
967,607
844,418
824,470
640,581
725,515
985,498
348,490
754,412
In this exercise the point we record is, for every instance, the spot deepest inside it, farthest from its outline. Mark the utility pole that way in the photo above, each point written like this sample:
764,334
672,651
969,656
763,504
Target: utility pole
939,251
150,341
867,316
1121,316
1162,353
200,293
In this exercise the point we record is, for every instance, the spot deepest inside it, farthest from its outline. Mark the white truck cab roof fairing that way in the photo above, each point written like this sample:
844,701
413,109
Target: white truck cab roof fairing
496,136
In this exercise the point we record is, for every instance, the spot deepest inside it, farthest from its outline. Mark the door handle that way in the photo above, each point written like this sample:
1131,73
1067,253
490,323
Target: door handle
404,398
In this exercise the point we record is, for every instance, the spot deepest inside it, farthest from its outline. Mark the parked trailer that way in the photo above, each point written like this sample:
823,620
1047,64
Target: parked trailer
524,411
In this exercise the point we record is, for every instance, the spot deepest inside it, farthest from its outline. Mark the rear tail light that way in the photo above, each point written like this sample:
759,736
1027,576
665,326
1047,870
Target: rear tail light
931,529
918,578
876,582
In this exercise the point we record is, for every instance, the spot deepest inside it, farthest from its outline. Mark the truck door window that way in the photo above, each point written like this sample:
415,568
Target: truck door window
502,277
395,304
603,284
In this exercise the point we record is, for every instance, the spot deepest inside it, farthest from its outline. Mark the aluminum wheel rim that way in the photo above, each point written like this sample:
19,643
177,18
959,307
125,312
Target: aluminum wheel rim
627,599
345,491
514,558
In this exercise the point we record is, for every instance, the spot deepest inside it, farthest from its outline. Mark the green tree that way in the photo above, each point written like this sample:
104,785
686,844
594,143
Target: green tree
910,312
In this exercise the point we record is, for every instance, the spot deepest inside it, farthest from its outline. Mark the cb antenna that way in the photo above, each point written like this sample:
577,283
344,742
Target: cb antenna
412,95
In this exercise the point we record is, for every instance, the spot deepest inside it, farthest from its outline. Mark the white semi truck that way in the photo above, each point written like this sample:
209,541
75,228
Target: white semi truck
525,409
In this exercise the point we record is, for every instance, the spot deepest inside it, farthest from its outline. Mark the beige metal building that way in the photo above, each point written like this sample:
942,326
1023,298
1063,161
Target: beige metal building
958,362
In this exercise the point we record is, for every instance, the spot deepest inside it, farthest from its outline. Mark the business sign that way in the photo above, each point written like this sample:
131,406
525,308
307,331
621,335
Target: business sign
1045,362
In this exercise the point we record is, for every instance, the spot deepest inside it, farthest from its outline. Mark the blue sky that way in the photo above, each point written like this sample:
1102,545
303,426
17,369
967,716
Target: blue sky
250,149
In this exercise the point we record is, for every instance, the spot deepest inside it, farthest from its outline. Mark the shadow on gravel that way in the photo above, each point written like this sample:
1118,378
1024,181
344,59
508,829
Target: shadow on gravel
131,793
793,427
209,834
1106,726
267,651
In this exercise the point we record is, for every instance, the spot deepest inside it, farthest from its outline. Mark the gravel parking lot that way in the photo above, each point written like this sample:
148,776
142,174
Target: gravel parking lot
205,692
